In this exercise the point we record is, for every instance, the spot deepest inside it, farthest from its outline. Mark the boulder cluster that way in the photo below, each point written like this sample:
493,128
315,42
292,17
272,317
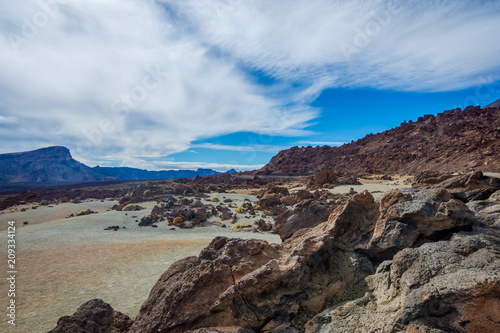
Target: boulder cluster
420,260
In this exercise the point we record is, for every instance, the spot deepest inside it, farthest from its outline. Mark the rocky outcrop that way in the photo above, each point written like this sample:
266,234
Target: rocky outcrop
94,316
487,212
189,294
447,286
466,187
306,214
418,261
409,216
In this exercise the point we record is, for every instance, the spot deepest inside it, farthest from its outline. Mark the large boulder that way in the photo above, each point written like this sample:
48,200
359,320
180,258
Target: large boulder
269,200
446,286
254,285
94,316
408,216
188,294
487,212
306,214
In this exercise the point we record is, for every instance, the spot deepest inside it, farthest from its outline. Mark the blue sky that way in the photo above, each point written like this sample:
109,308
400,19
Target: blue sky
222,84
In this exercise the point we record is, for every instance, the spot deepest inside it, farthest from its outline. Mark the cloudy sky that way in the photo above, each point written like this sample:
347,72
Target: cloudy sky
171,84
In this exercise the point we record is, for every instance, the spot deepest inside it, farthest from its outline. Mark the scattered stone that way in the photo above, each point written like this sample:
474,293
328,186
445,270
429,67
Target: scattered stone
114,228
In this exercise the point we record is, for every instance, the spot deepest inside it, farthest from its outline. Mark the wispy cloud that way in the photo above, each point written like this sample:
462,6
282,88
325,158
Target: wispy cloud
222,167
122,78
241,148
147,78
430,45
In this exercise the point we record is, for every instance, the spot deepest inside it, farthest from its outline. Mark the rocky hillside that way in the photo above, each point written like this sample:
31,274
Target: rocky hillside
51,164
452,140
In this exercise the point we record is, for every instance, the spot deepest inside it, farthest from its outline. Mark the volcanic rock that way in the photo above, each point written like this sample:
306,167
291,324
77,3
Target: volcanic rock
449,141
306,214
94,316
447,286
407,215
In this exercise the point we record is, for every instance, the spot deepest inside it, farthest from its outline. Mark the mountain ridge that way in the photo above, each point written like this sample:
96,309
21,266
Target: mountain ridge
52,166
450,141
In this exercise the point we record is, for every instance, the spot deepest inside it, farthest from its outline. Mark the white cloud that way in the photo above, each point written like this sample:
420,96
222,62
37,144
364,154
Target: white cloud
242,148
119,78
222,167
432,45
125,78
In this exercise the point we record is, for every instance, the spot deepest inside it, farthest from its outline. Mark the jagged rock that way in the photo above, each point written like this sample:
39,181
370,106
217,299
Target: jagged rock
322,177
226,215
487,212
408,215
447,286
466,187
306,214
323,275
263,225
270,200
218,224
289,200
495,196
94,316
189,293
146,221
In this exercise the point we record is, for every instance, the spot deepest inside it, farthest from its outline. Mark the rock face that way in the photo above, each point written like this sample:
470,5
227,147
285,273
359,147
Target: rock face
447,286
452,140
306,214
417,262
94,316
408,216
195,291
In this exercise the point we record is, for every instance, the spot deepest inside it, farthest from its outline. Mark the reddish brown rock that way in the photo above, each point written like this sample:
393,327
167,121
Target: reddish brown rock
408,215
94,316
449,141
306,214
269,200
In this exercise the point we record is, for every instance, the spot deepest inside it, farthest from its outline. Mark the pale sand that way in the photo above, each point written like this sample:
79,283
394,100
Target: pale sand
62,263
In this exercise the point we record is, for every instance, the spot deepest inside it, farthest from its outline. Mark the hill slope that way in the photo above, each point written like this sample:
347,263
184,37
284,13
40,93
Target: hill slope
452,140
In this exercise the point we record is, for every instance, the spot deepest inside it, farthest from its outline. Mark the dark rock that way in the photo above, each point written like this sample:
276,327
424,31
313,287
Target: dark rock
94,316
305,214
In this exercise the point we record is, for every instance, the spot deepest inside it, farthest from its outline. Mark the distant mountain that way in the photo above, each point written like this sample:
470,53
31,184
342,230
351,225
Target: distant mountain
452,140
136,174
495,104
53,166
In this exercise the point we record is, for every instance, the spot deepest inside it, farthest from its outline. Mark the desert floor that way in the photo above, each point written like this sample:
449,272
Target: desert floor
64,262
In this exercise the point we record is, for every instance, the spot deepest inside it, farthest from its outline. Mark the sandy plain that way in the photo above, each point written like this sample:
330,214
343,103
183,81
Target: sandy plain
63,262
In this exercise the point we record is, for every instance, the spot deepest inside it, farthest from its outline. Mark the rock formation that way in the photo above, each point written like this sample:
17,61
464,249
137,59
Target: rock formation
94,316
420,261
